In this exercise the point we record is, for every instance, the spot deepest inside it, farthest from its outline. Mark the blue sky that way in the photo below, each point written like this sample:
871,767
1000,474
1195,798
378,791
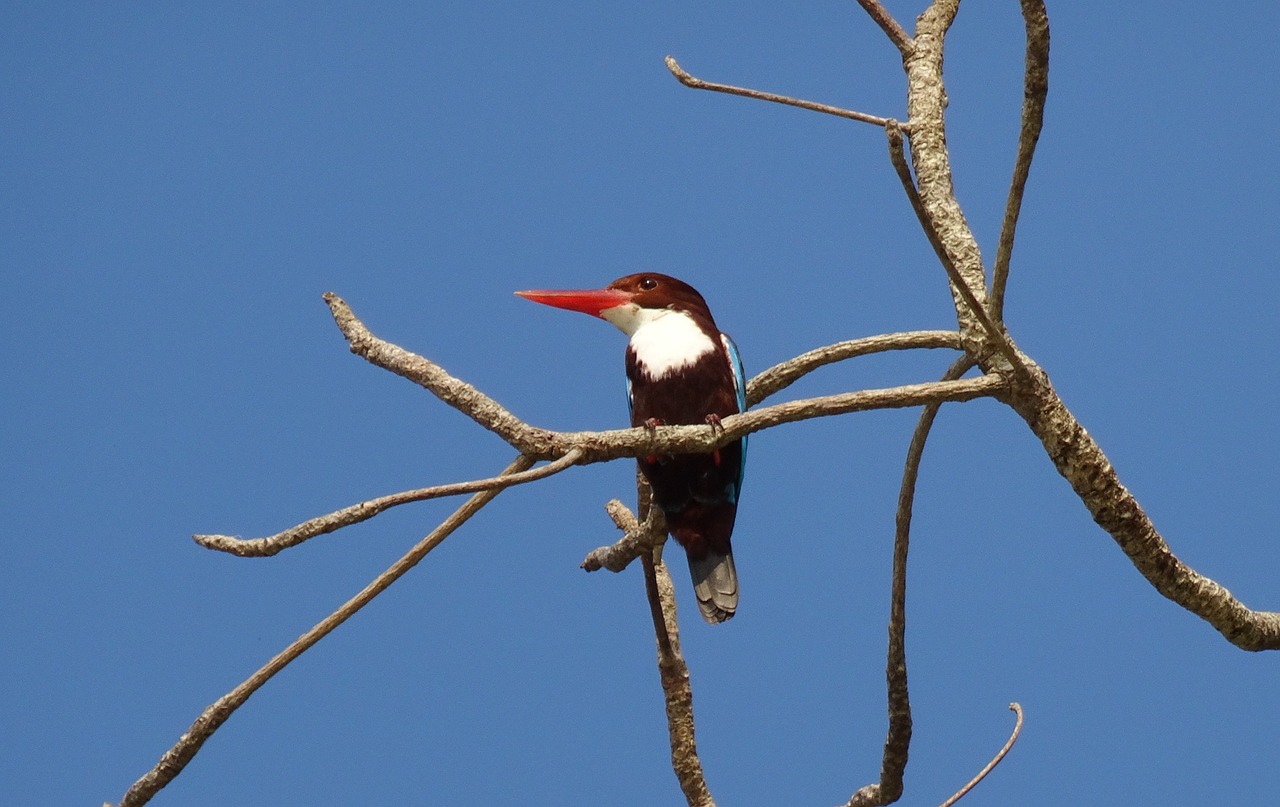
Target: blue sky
179,186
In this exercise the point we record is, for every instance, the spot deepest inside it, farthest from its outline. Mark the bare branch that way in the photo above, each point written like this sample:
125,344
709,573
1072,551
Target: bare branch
995,333
602,446
897,741
177,757
674,673
638,537
899,37
926,107
781,376
429,375
265,547
1083,464
982,774
698,84
1035,90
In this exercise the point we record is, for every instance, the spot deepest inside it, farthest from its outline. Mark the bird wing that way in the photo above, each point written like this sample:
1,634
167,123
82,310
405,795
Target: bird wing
740,388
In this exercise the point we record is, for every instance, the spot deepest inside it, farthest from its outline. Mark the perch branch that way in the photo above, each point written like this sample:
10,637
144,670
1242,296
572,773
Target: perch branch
900,38
698,84
601,446
265,547
177,757
1035,90
1013,738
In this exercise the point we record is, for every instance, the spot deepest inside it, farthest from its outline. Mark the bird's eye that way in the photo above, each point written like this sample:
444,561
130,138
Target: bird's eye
648,284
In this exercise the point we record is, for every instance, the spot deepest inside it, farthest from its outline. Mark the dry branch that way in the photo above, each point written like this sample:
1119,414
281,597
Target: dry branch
990,766
1035,90
182,752
897,35
674,673
265,547
759,95
897,742
602,446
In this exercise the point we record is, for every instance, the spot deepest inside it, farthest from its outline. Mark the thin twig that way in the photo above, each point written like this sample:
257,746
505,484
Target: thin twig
780,376
698,84
177,757
1013,738
897,35
270,545
1035,90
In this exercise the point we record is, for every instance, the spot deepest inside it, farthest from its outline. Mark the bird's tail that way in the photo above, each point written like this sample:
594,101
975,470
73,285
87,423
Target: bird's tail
715,583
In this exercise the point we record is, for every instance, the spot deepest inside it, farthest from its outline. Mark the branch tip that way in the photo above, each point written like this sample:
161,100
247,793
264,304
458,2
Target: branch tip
827,109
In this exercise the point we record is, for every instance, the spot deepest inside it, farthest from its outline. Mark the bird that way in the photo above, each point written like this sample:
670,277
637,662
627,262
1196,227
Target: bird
680,370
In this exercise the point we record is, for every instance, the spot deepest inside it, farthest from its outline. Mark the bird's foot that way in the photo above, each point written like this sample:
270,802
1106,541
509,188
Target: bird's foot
651,425
713,420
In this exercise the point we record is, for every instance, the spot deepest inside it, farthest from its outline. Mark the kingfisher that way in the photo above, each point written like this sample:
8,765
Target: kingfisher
681,370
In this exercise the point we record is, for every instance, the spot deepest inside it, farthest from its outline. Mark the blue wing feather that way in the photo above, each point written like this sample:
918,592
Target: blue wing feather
740,387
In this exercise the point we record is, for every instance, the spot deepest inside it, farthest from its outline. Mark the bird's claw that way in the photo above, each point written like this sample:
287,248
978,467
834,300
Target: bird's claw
713,420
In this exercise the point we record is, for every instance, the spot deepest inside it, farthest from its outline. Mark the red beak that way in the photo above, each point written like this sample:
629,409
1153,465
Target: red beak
588,301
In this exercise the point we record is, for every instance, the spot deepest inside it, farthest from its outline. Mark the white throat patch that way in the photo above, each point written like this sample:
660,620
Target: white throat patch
663,340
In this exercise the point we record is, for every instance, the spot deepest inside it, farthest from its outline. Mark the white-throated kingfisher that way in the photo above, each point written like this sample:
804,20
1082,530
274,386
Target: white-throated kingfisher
680,370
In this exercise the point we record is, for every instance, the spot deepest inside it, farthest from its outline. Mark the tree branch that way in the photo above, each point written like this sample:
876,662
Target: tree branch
674,673
698,84
188,745
266,547
602,446
1084,465
1035,90
982,774
899,37
897,742
780,376
994,334
926,107
638,537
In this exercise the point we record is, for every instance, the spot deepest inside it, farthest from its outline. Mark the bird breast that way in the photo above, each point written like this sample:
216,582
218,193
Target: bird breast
668,343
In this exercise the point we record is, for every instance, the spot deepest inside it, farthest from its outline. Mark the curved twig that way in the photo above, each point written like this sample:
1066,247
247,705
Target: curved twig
698,84
177,757
270,545
780,376
990,766
1035,90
